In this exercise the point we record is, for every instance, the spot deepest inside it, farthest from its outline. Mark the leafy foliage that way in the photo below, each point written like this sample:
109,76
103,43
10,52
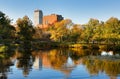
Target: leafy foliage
25,28
7,31
94,31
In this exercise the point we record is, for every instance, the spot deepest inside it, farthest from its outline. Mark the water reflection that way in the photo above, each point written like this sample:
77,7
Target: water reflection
6,62
96,66
5,67
37,63
24,61
65,61
69,62
109,53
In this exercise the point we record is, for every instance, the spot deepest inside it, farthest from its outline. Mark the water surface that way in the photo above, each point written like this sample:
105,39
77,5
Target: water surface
59,64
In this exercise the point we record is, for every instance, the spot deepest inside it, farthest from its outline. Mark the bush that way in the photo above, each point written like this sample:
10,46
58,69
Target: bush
117,48
94,46
3,48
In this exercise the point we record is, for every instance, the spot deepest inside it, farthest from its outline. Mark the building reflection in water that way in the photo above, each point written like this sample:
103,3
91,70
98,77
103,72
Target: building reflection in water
40,60
64,61
70,62
37,64
54,59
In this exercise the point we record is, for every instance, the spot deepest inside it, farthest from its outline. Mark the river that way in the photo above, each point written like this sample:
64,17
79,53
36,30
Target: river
71,63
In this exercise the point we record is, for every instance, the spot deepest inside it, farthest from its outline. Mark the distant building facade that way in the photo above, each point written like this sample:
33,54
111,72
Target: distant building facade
38,17
51,19
44,21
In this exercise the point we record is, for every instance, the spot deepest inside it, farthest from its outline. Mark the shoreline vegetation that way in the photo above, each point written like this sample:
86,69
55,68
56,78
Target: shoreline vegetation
64,34
51,45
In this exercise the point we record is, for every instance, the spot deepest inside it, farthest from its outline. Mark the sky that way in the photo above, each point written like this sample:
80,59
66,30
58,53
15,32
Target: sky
79,11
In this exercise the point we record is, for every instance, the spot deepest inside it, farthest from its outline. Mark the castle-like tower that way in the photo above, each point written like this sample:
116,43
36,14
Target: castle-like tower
38,17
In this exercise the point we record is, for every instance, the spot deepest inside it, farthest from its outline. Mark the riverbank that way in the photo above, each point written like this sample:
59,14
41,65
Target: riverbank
44,44
107,57
34,45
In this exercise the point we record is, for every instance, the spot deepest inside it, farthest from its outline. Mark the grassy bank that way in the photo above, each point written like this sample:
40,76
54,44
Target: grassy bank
45,45
50,44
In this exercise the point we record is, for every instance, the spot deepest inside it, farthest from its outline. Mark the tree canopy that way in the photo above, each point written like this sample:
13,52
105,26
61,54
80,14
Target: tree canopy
6,29
26,29
94,31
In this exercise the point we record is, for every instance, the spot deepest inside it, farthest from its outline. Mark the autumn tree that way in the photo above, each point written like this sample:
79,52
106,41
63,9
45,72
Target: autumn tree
59,31
38,33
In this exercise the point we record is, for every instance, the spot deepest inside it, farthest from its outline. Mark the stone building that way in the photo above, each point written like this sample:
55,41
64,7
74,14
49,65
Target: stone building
38,17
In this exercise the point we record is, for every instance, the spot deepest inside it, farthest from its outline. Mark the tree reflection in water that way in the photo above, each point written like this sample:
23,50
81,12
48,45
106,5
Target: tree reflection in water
4,67
95,66
24,59
5,63
63,60
58,60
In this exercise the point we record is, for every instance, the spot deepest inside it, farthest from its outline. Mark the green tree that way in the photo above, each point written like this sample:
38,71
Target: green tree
75,33
98,33
26,29
111,32
7,31
89,30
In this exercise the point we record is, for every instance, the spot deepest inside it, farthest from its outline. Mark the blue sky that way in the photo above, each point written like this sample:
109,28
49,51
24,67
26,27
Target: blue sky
79,11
